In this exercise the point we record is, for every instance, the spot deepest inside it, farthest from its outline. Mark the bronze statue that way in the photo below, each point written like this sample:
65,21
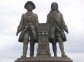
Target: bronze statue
28,27
32,31
57,27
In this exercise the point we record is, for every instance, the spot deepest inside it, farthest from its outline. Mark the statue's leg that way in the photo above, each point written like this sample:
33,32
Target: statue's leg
32,41
54,47
31,46
52,36
25,45
31,49
61,46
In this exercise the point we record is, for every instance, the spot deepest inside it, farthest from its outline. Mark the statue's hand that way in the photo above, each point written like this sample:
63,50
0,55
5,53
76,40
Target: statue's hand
17,34
67,32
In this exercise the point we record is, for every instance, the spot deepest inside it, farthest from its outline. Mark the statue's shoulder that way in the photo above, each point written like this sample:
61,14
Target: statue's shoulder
49,14
24,14
60,13
34,14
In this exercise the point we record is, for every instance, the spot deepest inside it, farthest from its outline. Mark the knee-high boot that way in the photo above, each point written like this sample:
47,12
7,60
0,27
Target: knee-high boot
62,50
31,49
54,47
25,47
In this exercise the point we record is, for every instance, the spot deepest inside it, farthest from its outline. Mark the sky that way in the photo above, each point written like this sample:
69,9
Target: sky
10,15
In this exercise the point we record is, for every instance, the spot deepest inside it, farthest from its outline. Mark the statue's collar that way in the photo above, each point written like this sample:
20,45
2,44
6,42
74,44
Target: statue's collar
29,13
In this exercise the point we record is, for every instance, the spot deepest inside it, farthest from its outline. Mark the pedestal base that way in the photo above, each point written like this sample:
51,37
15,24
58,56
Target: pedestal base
44,59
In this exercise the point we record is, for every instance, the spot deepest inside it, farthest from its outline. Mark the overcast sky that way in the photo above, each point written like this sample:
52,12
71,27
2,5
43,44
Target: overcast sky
10,15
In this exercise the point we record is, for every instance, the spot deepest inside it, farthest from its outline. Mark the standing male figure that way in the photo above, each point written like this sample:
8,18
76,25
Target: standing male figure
28,27
57,27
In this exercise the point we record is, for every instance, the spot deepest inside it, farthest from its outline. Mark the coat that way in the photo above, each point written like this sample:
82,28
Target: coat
28,19
57,25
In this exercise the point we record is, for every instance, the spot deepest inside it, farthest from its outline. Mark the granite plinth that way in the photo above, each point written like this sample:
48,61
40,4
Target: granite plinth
44,59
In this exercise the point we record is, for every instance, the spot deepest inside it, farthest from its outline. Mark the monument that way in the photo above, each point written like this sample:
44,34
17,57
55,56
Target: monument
42,33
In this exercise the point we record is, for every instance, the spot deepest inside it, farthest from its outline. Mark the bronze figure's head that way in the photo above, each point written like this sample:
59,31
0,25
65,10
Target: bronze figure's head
54,6
29,6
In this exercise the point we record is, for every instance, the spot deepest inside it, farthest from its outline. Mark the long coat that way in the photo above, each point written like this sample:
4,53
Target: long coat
28,19
57,25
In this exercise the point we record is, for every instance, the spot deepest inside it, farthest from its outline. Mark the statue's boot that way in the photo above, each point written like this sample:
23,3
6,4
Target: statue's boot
54,47
62,51
55,50
25,47
31,49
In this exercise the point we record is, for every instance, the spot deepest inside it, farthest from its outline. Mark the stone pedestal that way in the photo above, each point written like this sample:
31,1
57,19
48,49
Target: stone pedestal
43,40
44,59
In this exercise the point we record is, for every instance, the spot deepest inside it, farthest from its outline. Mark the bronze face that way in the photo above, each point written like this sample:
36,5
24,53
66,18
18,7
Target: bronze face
29,7
54,6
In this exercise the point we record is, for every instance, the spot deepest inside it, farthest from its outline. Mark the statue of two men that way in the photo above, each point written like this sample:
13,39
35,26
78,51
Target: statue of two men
28,27
57,27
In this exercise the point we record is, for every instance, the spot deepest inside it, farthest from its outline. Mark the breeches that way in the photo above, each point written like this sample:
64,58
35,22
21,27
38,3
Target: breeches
60,41
26,38
33,31
52,32
30,32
